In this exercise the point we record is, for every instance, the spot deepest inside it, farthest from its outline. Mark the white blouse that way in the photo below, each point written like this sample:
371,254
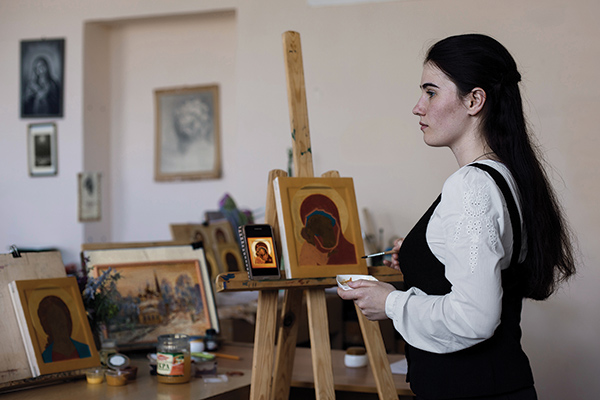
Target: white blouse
470,233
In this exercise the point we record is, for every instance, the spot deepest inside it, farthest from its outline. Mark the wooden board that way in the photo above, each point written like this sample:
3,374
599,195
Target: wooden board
13,359
238,281
131,245
294,74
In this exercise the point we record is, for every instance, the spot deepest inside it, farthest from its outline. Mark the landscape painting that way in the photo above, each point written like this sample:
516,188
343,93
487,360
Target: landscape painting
157,298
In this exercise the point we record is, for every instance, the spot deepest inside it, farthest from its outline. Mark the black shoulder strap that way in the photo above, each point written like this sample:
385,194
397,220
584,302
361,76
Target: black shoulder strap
513,211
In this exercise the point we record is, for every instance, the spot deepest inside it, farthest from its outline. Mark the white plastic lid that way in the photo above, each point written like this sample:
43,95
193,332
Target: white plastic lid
117,361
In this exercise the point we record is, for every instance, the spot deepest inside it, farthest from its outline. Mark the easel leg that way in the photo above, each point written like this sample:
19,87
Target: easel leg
264,344
380,364
320,347
286,344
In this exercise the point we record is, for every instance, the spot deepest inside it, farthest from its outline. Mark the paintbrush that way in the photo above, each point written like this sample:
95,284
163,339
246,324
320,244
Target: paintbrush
383,253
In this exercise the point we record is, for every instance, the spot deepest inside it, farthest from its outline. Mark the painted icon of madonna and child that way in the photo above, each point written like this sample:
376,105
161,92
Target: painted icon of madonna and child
322,218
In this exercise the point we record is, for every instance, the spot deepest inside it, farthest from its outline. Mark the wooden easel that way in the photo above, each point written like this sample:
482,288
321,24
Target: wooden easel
276,385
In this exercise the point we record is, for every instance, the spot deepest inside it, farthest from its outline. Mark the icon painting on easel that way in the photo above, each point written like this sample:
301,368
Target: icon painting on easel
319,225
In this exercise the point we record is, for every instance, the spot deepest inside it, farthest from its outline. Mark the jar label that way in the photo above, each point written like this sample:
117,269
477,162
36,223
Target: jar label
170,364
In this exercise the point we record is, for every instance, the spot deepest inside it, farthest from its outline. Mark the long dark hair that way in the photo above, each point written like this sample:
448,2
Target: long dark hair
475,60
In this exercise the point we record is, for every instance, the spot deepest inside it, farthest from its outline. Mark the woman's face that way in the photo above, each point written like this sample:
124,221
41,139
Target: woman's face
444,117
192,119
324,232
262,253
41,68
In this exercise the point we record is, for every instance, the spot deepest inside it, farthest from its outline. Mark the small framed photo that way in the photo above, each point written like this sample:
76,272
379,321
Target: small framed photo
42,78
187,133
42,150
89,196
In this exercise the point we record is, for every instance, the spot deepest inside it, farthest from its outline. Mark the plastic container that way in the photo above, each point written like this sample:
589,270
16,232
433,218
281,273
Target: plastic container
210,340
117,361
173,360
116,377
130,372
356,357
152,363
94,375
203,364
197,345
109,347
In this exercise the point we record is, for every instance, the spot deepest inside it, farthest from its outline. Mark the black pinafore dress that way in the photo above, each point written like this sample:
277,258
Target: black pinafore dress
494,366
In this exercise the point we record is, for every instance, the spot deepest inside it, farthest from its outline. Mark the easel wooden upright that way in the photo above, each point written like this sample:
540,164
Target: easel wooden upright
272,373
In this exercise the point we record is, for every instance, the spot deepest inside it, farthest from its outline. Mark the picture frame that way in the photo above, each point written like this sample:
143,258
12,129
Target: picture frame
221,247
146,270
187,133
319,227
42,78
89,196
42,149
194,233
50,313
38,265
226,246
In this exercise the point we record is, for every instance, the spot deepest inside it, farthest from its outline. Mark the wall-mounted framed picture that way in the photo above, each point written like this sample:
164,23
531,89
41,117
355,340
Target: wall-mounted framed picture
187,133
89,196
42,149
42,78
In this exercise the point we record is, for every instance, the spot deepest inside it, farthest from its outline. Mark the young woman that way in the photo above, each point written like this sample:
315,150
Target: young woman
495,235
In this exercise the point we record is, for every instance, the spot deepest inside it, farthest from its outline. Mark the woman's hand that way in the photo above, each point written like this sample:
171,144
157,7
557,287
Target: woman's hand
394,263
369,296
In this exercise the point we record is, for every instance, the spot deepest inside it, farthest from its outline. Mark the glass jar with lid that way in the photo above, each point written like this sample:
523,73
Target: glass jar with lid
173,361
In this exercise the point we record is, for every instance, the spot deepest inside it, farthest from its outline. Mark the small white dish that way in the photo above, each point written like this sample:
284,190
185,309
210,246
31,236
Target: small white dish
356,357
342,280
196,346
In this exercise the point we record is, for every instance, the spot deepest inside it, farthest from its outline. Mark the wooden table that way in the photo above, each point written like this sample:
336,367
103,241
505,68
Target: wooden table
146,387
352,380
357,380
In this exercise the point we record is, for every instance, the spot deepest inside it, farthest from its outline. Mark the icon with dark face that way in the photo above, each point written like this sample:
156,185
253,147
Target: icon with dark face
56,322
262,254
325,242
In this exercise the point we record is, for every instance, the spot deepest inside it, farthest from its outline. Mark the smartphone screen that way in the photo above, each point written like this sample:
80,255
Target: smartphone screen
260,253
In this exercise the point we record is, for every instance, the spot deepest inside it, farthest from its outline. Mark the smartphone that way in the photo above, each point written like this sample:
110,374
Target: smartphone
258,249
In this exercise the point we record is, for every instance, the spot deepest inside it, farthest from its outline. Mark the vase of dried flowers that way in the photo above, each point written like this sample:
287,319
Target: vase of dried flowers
100,298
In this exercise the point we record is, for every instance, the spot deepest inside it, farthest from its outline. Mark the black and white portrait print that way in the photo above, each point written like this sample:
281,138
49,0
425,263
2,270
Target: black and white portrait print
42,78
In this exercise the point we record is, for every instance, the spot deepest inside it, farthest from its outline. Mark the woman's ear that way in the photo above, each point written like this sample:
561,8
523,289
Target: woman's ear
475,101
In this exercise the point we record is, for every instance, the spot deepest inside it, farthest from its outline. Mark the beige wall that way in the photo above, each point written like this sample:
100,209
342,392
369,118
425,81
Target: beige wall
362,65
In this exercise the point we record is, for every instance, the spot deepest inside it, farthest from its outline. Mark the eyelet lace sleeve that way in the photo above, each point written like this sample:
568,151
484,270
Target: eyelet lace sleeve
475,221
